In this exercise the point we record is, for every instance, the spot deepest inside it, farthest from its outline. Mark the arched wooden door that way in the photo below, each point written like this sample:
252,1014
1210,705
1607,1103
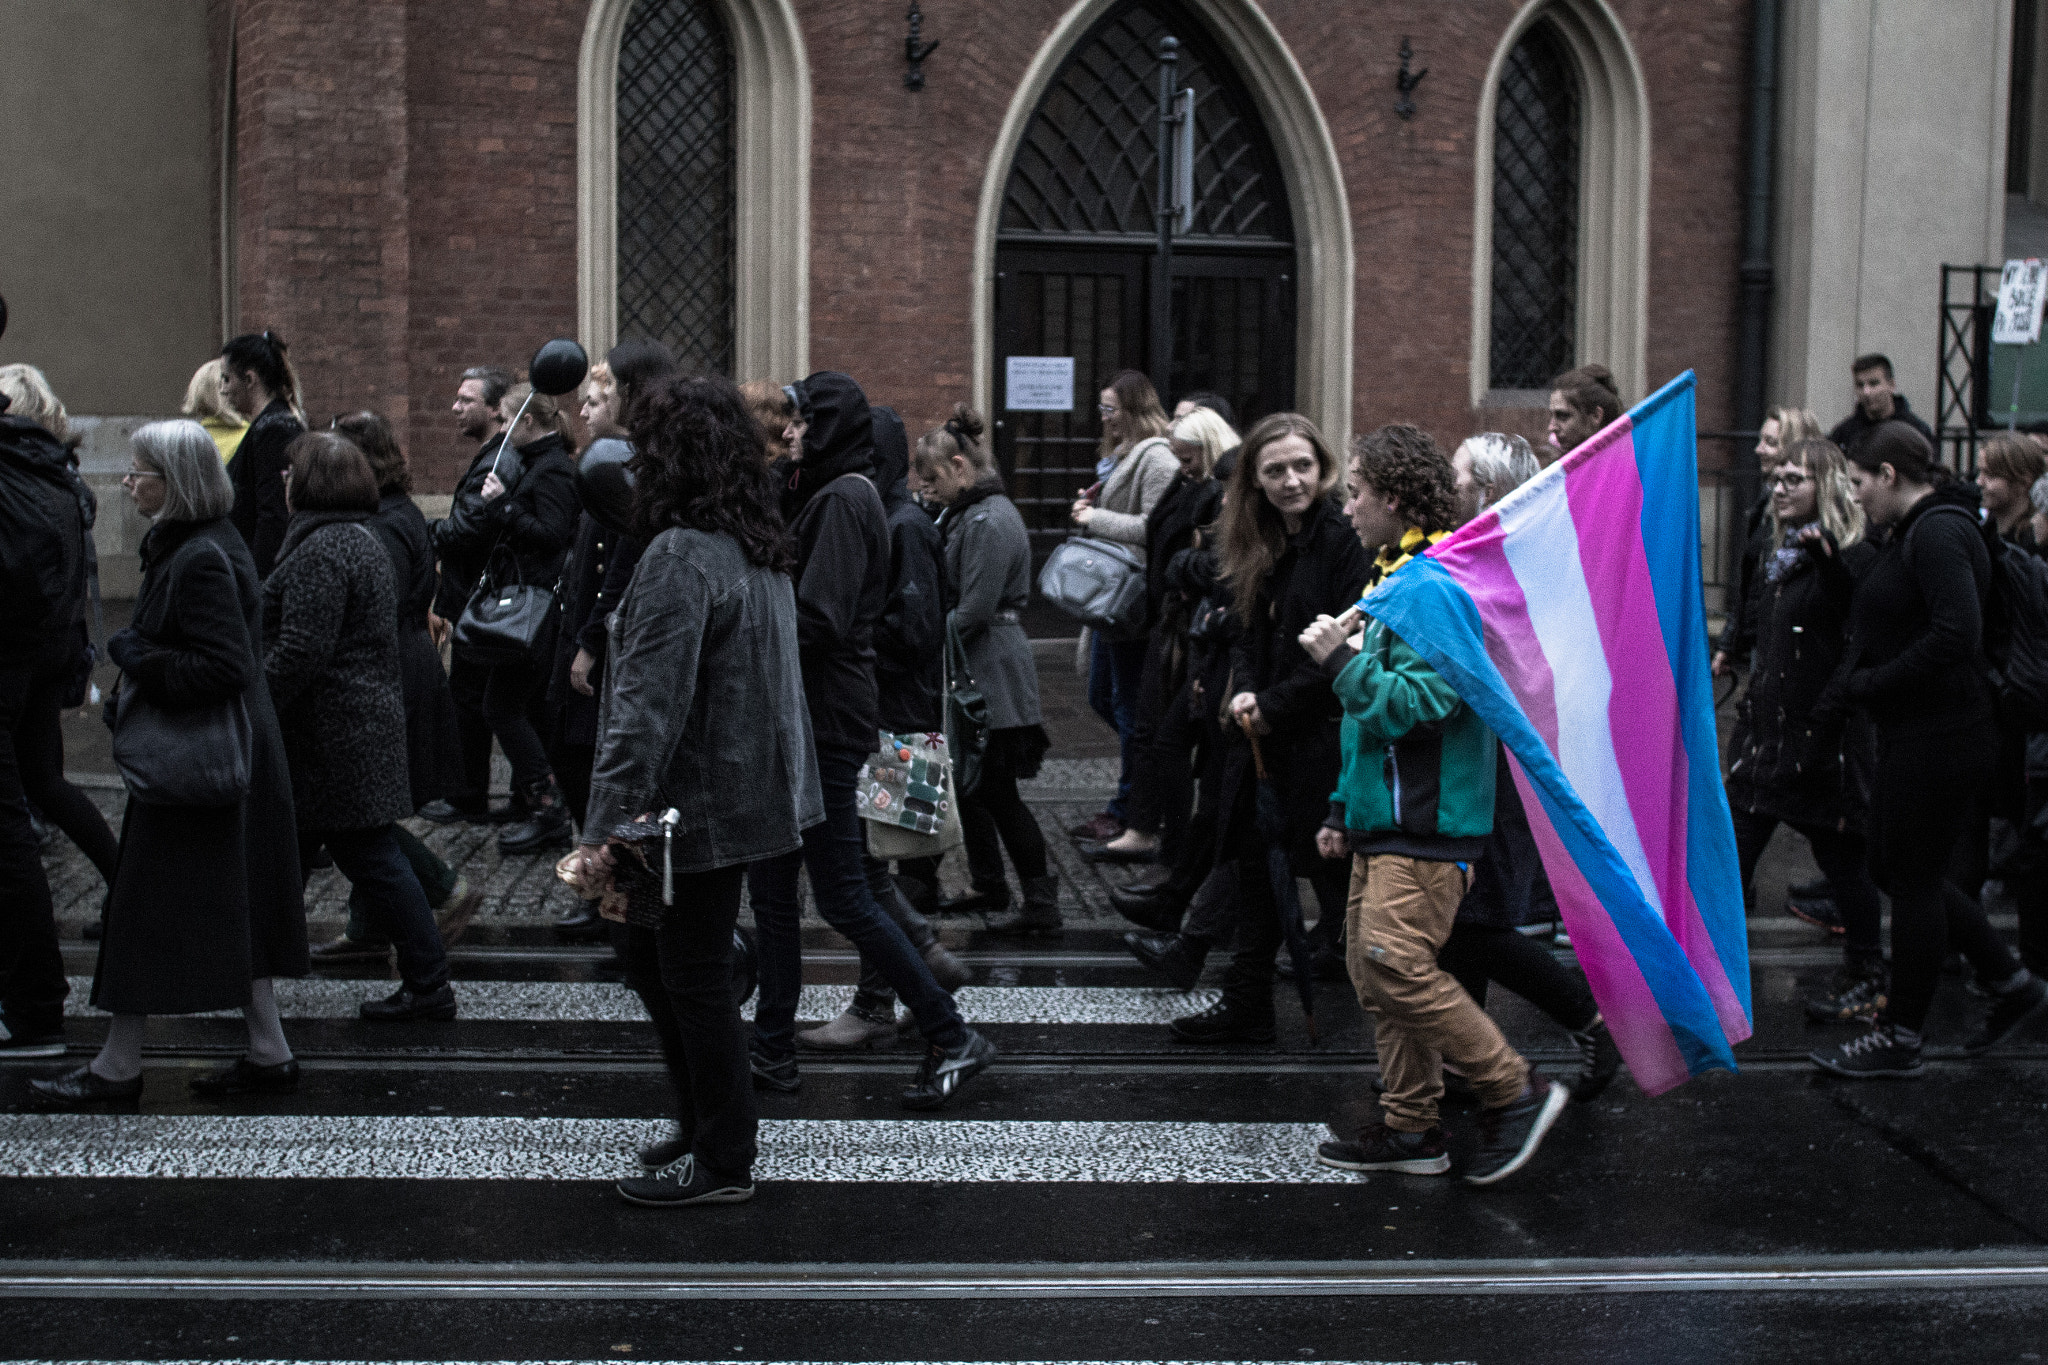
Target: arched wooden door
1077,239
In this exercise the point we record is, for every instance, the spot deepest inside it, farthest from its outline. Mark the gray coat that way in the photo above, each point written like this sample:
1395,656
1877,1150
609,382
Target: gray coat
703,706
330,650
988,565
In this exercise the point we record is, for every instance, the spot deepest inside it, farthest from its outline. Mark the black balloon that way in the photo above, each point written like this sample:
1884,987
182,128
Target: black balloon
606,485
558,367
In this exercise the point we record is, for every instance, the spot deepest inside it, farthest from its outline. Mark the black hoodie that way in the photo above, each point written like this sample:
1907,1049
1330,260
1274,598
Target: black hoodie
909,639
842,569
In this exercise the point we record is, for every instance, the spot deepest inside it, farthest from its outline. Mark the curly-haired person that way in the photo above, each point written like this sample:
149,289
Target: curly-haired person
1412,810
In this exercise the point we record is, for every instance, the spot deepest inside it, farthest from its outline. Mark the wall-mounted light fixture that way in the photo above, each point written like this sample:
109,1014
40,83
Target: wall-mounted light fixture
914,51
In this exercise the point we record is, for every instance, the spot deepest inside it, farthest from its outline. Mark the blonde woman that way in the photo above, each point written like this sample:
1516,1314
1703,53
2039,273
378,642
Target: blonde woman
1788,764
1134,467
1160,788
1782,429
205,405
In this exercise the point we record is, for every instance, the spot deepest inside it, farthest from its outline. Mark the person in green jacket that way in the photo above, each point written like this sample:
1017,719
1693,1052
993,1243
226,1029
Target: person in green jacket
1412,809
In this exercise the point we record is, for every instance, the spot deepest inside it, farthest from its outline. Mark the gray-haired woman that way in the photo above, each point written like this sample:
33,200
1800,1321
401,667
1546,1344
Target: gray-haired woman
206,905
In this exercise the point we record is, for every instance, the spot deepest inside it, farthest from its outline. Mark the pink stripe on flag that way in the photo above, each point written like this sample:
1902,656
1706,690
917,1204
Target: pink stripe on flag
1606,499
1627,1004
1480,566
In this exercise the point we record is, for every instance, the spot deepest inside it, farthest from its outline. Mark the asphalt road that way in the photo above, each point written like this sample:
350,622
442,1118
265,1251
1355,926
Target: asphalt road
441,1191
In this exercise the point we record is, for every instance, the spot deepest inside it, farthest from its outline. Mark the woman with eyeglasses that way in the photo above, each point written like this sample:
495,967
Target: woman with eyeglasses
1787,764
1135,467
205,909
1782,429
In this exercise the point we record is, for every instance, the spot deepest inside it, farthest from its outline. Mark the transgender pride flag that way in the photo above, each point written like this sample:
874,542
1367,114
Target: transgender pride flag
1569,616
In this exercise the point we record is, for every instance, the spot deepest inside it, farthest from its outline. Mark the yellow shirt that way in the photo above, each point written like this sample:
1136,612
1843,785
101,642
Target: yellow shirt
226,436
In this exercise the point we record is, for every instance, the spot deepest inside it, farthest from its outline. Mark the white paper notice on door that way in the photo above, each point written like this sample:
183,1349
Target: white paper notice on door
1038,383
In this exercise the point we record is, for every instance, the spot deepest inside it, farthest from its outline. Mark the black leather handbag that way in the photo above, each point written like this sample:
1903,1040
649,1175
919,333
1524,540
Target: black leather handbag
966,716
504,621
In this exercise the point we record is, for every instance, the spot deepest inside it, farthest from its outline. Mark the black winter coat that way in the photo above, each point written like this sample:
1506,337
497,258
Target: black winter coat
1186,506
1853,430
257,472
842,572
433,740
462,539
1321,572
1738,632
204,900
330,650
1783,759
43,552
910,639
1916,663
594,581
536,521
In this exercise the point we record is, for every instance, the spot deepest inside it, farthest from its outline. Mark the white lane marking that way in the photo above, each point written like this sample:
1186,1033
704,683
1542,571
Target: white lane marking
278,1147
606,1003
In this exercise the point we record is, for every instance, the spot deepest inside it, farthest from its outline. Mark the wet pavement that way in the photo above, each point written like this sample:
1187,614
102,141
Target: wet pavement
440,1190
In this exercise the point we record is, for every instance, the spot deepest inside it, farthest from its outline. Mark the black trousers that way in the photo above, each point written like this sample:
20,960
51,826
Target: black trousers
466,683
1249,979
2029,886
1477,954
683,975
1163,787
1844,860
32,985
1926,790
510,691
995,820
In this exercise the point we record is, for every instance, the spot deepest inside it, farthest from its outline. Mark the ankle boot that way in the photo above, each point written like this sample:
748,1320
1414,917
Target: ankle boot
1041,912
546,825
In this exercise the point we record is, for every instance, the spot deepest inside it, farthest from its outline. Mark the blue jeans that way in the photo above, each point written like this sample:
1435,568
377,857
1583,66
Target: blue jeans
397,907
832,854
1116,668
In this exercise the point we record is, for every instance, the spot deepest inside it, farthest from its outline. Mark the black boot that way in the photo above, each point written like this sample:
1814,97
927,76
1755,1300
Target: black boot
1159,906
1227,1021
982,900
1176,957
1040,915
581,924
546,825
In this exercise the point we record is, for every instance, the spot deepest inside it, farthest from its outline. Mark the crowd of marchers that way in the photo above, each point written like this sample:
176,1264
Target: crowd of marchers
746,591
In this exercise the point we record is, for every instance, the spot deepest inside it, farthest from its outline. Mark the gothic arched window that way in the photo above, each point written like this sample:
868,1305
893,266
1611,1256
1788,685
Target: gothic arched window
677,195
1536,140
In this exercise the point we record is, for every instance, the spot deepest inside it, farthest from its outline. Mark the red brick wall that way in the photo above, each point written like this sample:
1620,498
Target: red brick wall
408,192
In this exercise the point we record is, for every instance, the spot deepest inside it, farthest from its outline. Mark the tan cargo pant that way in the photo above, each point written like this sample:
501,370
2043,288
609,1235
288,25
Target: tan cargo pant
1397,918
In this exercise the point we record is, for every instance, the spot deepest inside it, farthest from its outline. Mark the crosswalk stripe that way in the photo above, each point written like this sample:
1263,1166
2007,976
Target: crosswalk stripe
607,1003
274,1147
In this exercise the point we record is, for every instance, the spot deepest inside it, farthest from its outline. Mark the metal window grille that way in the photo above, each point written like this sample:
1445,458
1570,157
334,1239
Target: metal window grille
1089,159
676,182
1535,213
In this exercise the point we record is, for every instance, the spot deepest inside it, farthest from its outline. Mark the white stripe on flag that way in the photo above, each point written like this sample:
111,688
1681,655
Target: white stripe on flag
1542,547
273,1147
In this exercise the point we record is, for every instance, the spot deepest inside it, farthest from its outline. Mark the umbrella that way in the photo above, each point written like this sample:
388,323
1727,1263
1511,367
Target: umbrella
1272,823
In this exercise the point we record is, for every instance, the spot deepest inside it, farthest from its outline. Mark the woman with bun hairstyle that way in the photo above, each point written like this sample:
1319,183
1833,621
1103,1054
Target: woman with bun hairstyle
1916,666
258,381
988,569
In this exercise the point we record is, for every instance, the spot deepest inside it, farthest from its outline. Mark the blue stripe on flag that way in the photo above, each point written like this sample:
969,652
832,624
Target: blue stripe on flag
1667,463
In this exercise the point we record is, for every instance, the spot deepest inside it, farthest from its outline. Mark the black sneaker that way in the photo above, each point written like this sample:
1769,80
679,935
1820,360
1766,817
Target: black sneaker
1602,1059
2008,1012
1380,1148
404,1004
1854,997
1225,1022
1821,914
684,1183
31,1042
945,1070
1510,1135
773,1073
1876,1055
667,1152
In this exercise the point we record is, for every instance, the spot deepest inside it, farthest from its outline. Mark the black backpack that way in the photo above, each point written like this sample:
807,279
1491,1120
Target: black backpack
42,539
2015,627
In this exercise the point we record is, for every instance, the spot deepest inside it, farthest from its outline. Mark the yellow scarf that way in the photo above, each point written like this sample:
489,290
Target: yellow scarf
1414,541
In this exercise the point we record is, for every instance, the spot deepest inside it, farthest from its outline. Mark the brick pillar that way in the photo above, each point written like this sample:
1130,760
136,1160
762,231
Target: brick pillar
322,166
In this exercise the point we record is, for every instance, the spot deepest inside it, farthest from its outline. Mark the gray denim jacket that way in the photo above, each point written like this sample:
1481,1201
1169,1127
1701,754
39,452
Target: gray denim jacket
703,707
